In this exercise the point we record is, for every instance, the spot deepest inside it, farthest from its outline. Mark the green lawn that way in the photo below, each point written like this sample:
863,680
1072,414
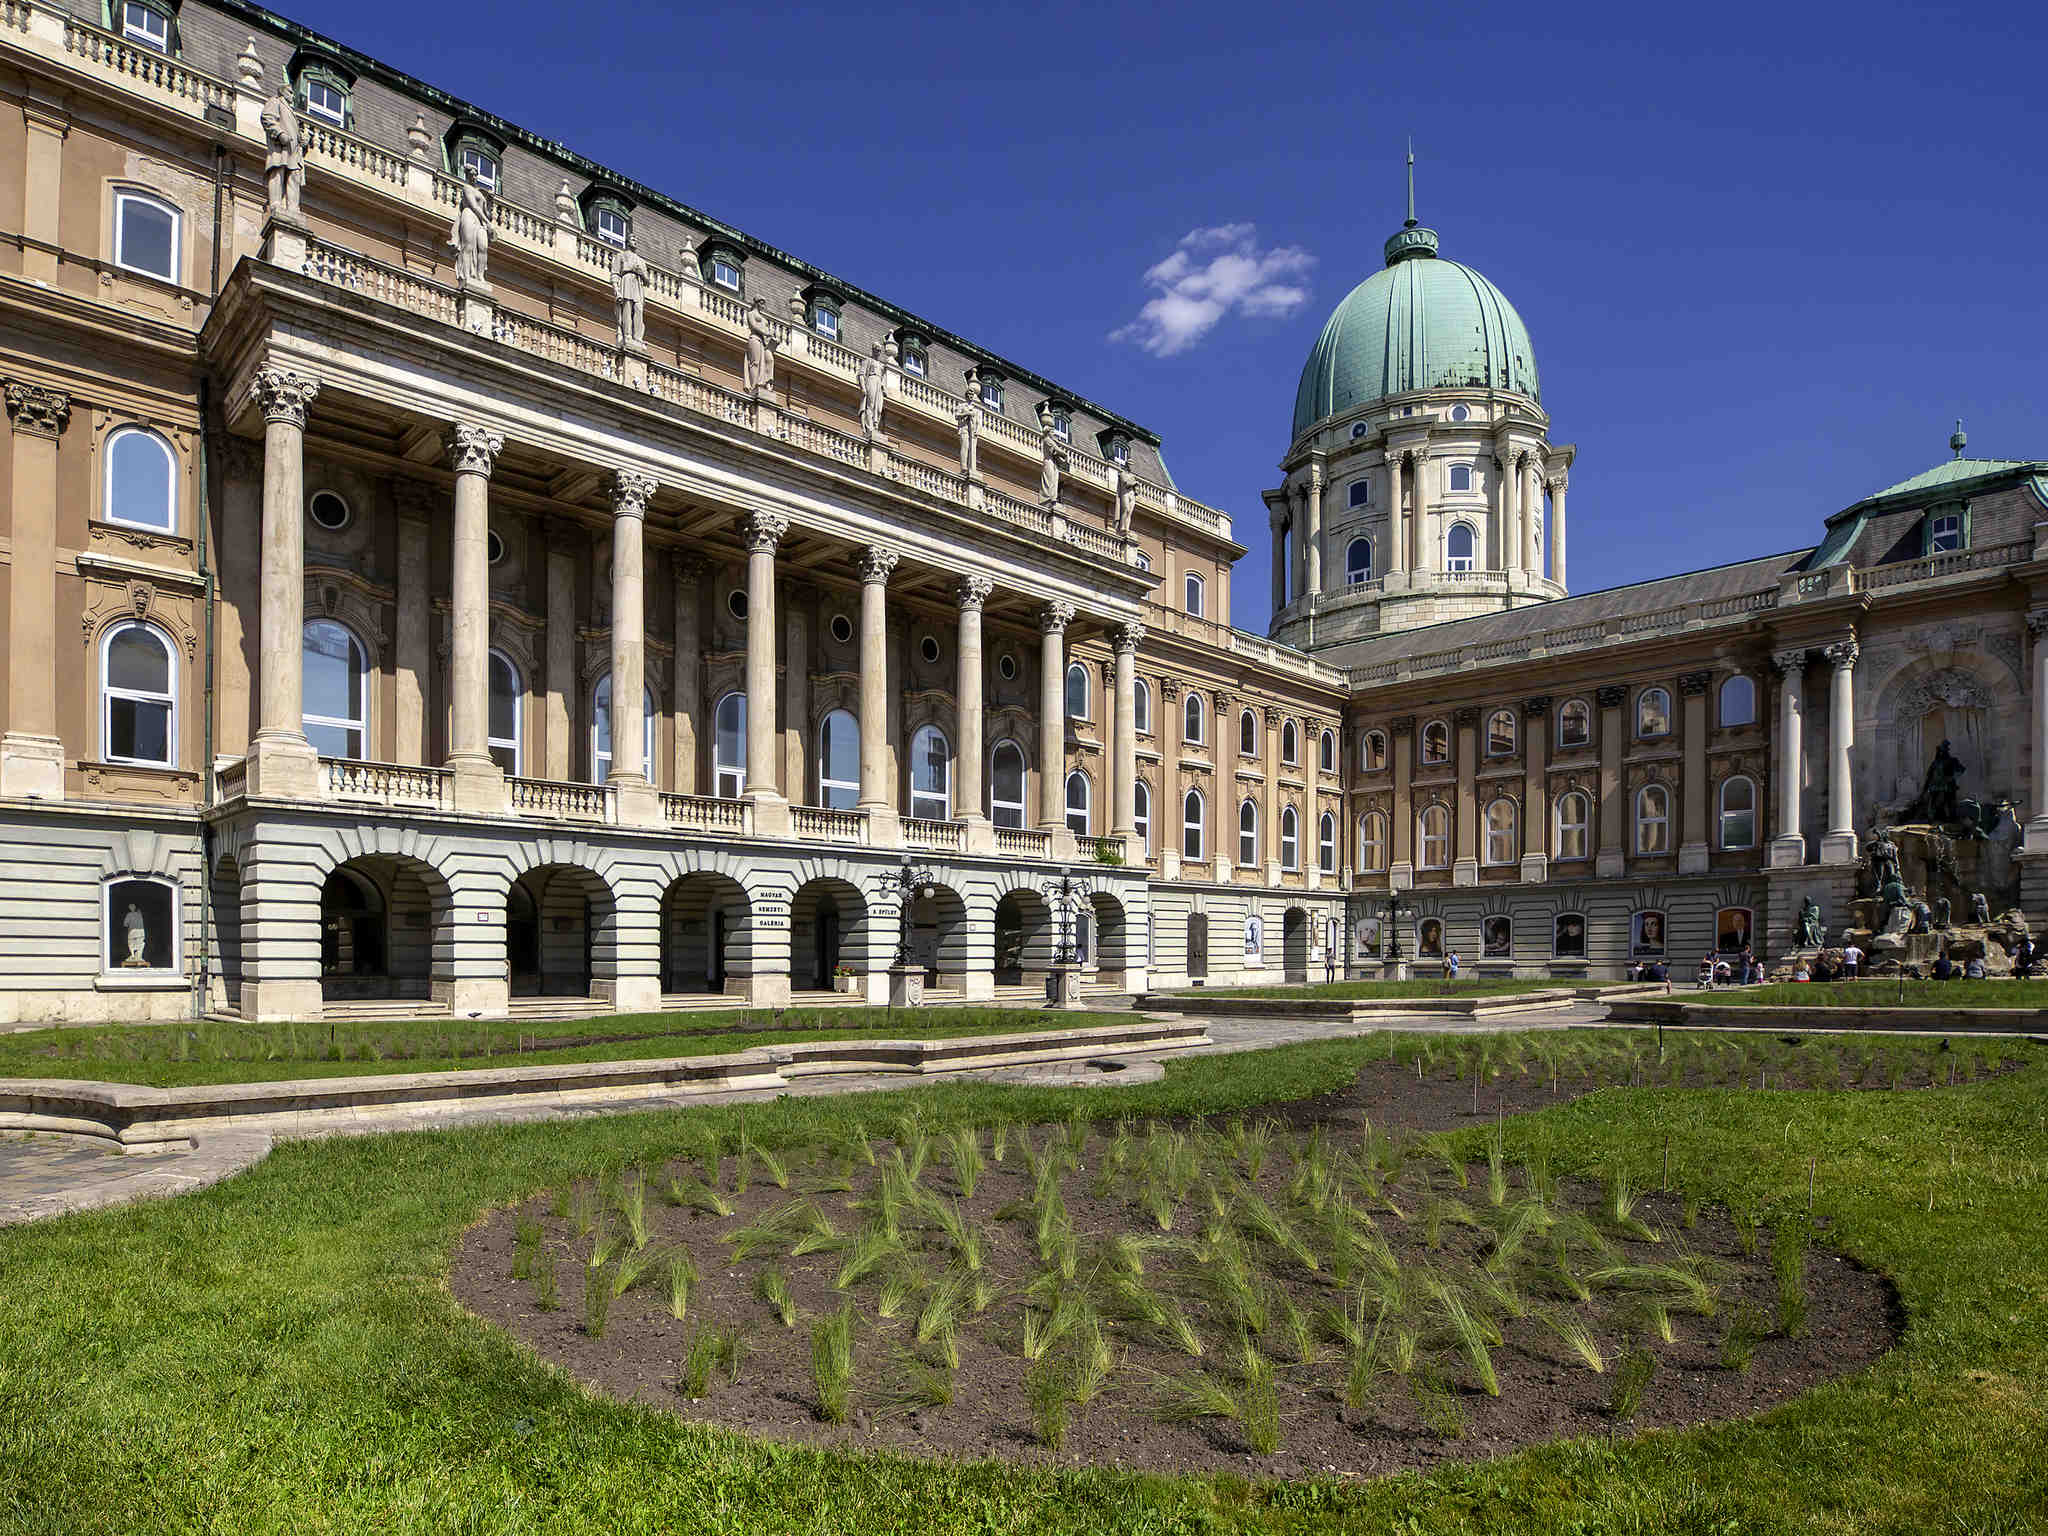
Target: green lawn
1421,986
181,1055
279,1353
1881,994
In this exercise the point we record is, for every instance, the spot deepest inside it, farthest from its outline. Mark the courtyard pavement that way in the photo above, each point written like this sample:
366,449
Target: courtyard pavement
50,1175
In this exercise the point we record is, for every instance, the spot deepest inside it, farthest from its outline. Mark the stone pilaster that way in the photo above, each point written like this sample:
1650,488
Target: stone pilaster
688,574
1274,864
968,792
558,758
2037,820
476,781
1465,861
1401,820
31,753
1696,840
1315,527
1276,521
412,641
638,802
876,789
1536,788
282,761
1124,743
1053,620
1611,859
1788,848
1169,817
1557,490
1838,846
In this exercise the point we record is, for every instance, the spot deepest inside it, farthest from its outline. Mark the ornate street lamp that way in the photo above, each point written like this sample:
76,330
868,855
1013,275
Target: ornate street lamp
906,884
1395,907
1065,895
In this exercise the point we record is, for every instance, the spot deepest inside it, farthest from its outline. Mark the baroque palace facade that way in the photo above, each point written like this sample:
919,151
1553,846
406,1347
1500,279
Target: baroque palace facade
440,571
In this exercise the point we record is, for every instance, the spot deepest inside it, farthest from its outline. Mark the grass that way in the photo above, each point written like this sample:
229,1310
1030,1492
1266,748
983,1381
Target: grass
1881,993
283,1345
832,1363
207,1052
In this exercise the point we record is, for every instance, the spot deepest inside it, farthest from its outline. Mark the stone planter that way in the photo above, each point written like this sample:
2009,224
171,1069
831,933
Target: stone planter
847,986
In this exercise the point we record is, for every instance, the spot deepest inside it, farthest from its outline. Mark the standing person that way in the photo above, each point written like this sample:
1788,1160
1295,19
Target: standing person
1451,966
1852,961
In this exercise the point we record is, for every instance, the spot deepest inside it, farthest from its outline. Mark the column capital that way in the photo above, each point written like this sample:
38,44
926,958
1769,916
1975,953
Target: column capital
973,591
1693,685
282,395
1273,714
1126,638
1791,663
1054,618
877,563
763,531
1610,695
1402,725
1315,477
37,411
630,492
1537,707
1170,689
1842,653
474,450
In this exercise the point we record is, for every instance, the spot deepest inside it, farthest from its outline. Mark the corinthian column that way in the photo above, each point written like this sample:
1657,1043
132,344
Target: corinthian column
1788,848
1557,490
1510,508
281,760
1532,517
638,802
31,753
1839,845
1315,528
477,781
973,592
1276,520
1053,620
764,530
876,564
1124,746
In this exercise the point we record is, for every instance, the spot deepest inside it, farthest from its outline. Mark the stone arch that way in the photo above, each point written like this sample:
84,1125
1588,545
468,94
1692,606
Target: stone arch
1026,933
384,927
1958,696
1113,938
224,913
936,939
829,929
1294,937
707,933
561,931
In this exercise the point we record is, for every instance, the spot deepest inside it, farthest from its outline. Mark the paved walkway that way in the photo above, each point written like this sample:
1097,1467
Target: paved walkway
48,1175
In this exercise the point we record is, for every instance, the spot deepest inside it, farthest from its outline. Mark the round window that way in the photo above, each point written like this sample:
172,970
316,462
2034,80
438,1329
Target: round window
329,511
1006,664
842,628
494,547
1461,413
1358,429
736,602
929,648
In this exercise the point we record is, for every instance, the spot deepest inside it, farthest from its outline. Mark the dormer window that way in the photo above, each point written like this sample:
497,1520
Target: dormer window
1947,529
1116,447
146,25
328,101
1063,423
991,389
607,215
724,267
821,312
324,89
469,150
913,357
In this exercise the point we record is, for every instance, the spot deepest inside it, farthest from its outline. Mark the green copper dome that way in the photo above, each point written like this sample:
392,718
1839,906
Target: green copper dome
1419,323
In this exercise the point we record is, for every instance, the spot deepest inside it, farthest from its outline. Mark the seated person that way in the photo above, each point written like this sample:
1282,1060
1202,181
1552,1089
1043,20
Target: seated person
1974,969
1944,968
1822,971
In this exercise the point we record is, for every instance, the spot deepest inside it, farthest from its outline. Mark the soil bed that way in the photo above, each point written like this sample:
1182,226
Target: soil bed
1439,1232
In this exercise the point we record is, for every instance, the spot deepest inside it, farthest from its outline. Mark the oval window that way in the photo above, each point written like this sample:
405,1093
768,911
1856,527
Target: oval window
330,511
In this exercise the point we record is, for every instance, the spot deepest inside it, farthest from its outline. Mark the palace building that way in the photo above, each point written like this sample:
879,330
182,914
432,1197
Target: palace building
444,574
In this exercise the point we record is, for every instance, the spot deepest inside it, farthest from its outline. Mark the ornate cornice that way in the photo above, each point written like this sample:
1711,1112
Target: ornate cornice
1272,717
474,450
972,592
1466,715
283,396
630,492
37,411
762,531
1054,617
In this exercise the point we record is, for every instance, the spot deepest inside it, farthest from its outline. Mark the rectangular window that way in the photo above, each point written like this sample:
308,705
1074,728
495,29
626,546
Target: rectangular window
611,226
145,236
483,163
725,274
140,24
913,361
827,323
992,394
1944,533
325,100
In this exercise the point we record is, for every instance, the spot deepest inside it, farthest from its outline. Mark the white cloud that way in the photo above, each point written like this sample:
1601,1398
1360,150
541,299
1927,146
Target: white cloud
1210,273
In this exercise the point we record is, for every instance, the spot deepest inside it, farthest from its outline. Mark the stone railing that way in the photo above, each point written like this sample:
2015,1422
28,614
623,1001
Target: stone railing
145,69
560,801
828,826
347,152
825,440
1950,562
1160,619
706,813
1103,850
941,836
231,781
1024,842
1022,513
388,285
392,784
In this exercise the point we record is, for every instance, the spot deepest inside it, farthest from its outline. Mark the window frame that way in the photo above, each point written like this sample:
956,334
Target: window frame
1358,493
1644,821
1643,698
1248,833
988,390
1254,942
913,354
1443,758
1514,734
1079,669
1369,759
516,742
1358,572
1247,745
1451,473
167,45
1194,595
1469,561
1193,711
309,81
1583,826
824,313
1721,700
111,969
1290,744
943,796
465,140
1326,751
828,784
1326,843
1583,712
123,196
1086,811
717,256
1441,816
173,511
1141,706
360,724
722,771
1723,813
1193,828
1372,843
1557,922
168,700
1290,840
646,729
996,807
1141,814
1949,512
1510,851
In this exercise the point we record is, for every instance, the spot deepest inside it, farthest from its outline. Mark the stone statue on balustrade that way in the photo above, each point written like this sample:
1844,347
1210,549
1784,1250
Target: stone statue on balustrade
1052,458
871,393
1812,935
967,417
761,344
629,295
470,234
284,169
1126,500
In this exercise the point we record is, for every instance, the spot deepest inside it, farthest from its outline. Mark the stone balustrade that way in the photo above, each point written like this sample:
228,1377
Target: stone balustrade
936,836
1023,842
558,800
705,813
828,826
389,784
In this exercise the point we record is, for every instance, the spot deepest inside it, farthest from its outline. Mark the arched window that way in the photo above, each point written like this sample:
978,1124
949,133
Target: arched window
1500,733
931,775
1458,548
1574,811
1372,752
1436,743
1077,691
1006,785
839,761
1247,734
1254,941
334,690
1290,744
1461,477
1574,723
1192,717
1326,752
138,696
1078,789
505,728
601,730
1141,814
1500,832
729,746
1653,712
146,234
1738,701
142,480
1357,562
1653,819
1436,838
1191,825
1326,844
1192,591
1248,834
1738,813
1372,842
1290,839
1141,706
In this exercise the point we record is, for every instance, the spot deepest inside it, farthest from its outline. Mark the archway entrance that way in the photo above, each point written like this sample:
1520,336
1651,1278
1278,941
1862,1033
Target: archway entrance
828,928
382,918
1025,937
1110,937
1294,944
553,917
705,930
937,936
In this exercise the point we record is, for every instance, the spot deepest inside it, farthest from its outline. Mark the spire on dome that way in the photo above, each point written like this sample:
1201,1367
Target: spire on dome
1411,239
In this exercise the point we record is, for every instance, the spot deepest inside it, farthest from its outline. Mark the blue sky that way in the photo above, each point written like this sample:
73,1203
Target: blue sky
1767,255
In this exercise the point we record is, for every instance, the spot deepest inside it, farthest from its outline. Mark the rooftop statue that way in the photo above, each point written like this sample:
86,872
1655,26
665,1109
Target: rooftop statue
761,344
629,294
470,235
871,394
284,170
967,417
1052,458
1126,500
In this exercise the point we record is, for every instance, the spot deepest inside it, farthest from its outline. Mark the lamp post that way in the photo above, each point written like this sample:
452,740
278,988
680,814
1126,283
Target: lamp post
1395,907
906,884
1064,894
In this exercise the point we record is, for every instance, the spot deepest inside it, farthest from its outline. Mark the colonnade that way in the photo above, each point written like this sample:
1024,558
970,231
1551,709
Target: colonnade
1838,840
